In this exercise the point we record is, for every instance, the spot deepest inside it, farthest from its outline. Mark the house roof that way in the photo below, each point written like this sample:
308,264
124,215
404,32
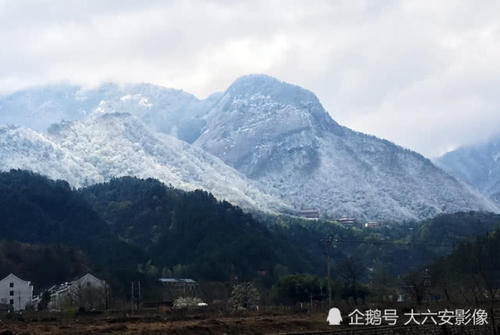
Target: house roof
13,276
87,275
59,288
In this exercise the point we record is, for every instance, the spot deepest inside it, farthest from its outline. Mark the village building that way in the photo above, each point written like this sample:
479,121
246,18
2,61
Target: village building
88,292
309,214
372,224
16,292
347,221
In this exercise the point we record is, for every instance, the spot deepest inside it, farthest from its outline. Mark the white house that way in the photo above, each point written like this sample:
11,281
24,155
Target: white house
16,292
88,291
89,280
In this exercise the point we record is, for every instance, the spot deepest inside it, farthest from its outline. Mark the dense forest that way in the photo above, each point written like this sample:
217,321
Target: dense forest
191,233
129,228
48,215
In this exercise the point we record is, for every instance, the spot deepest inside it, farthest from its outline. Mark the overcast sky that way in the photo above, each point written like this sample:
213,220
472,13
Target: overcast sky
423,74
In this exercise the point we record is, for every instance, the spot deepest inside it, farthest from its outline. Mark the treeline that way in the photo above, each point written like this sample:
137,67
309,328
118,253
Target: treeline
130,229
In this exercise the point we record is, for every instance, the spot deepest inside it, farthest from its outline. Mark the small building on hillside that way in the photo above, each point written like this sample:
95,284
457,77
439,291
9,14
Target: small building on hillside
347,221
16,292
309,213
88,292
372,224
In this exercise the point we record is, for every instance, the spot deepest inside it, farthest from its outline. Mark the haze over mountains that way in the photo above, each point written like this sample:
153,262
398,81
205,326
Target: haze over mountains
167,110
263,144
478,165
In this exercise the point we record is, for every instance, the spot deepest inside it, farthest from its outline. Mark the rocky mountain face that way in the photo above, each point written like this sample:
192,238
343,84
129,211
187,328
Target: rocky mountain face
263,143
279,135
477,165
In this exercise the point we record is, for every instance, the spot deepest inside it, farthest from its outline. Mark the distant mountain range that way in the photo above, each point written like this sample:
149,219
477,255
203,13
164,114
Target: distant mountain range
477,165
262,144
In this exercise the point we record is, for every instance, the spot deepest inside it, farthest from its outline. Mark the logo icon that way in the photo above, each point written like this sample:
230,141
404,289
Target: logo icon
334,317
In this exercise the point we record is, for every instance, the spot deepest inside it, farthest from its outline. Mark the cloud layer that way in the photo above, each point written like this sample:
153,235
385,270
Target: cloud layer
424,74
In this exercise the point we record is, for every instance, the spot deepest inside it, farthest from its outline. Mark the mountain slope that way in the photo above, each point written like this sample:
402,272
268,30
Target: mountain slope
477,165
191,233
37,210
276,134
108,145
279,135
122,224
118,144
23,148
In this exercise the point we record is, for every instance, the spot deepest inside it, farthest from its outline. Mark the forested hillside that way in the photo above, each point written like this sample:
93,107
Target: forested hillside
49,215
138,226
191,233
132,228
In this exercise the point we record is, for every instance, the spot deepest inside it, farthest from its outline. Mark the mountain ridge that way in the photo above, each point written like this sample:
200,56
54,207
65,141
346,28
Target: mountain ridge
477,165
261,143
340,171
110,145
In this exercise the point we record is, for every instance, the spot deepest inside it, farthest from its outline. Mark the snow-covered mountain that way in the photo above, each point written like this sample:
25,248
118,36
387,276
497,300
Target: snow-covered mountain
279,135
107,145
166,110
477,165
23,148
276,147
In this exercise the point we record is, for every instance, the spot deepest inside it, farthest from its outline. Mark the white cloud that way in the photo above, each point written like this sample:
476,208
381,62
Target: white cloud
424,74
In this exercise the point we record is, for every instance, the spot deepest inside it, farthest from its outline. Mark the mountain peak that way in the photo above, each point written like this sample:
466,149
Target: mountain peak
275,133
279,91
279,135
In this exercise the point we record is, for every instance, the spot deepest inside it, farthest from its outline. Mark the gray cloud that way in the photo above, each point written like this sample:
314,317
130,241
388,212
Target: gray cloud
424,74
